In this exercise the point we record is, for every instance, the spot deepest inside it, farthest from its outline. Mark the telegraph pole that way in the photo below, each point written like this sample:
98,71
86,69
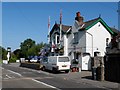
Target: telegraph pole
118,15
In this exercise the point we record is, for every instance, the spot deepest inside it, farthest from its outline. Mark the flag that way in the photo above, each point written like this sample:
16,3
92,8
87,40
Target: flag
49,22
60,16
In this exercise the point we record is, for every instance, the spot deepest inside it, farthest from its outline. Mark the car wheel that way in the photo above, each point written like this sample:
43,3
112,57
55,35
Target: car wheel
67,71
54,70
43,68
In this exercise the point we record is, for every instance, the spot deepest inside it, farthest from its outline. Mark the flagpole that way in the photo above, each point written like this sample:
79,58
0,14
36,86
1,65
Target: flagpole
49,30
60,25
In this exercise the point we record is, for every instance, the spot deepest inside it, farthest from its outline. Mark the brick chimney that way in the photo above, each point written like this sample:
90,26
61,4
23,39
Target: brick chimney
79,18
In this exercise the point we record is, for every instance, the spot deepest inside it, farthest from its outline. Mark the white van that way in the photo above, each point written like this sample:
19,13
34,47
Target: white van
56,63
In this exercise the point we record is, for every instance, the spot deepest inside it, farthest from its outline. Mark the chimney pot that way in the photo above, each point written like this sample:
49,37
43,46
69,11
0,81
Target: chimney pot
78,14
79,18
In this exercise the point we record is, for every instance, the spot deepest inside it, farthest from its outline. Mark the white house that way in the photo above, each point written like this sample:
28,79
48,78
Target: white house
59,39
88,39
81,41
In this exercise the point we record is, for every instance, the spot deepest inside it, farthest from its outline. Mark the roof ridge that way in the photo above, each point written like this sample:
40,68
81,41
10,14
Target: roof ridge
65,25
92,20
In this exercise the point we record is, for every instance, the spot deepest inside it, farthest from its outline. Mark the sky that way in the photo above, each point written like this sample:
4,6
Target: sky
23,20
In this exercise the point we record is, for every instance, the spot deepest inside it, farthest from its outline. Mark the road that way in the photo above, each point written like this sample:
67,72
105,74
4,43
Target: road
14,76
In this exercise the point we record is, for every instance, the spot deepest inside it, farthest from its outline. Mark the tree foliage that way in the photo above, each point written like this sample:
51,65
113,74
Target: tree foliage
29,48
17,53
25,46
3,53
13,58
35,49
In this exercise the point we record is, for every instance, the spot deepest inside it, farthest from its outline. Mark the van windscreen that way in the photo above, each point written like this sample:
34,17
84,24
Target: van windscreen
63,59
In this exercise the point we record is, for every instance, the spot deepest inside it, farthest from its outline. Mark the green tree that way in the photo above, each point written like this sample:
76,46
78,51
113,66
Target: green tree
35,49
25,46
17,53
13,58
3,53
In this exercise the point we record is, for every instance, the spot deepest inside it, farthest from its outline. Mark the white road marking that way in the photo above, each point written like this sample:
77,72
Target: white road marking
45,84
1,68
8,76
15,73
5,78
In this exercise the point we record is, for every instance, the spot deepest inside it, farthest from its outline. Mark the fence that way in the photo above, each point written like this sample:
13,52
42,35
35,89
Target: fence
112,67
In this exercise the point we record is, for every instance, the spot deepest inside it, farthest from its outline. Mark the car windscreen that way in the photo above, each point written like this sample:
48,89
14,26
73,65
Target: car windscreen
63,59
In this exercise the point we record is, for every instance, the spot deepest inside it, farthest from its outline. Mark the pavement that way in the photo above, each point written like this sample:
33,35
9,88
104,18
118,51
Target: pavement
86,77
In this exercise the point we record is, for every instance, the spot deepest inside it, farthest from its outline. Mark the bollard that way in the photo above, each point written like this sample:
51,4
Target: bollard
94,73
100,73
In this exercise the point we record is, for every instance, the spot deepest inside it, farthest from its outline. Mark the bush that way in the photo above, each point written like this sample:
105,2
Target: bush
13,59
0,61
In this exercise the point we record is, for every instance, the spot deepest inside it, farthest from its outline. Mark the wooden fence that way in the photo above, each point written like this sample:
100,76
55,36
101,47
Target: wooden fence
112,67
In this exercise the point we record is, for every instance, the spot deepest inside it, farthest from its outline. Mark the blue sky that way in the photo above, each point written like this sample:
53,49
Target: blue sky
22,20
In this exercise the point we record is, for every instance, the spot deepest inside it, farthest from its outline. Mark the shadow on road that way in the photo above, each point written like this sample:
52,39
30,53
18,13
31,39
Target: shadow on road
36,66
87,77
58,72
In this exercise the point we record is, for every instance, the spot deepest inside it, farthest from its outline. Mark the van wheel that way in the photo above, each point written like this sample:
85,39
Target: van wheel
67,71
43,68
54,70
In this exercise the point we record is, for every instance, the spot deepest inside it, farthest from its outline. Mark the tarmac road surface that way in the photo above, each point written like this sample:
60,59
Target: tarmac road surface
14,76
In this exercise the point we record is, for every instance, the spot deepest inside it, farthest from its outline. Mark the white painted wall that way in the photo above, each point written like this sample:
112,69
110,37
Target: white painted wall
99,39
80,46
75,27
70,45
89,43
82,41
65,45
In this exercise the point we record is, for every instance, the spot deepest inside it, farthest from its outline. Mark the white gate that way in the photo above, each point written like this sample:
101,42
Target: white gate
86,62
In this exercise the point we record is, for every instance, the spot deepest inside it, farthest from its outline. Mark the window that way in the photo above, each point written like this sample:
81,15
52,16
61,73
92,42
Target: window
107,39
63,59
58,39
75,38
